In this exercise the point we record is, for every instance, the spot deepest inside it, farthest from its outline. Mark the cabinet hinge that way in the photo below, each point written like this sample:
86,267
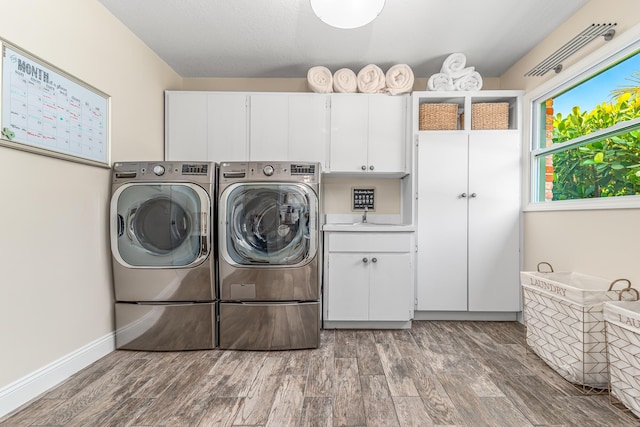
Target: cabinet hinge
416,248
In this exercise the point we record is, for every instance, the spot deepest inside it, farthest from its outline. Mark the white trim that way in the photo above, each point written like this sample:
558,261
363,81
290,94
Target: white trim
497,316
366,324
32,385
619,44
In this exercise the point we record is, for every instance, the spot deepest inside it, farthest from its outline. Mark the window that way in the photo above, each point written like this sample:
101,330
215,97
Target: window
586,140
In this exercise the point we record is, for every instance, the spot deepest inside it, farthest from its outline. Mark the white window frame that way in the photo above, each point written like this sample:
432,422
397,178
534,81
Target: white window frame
621,46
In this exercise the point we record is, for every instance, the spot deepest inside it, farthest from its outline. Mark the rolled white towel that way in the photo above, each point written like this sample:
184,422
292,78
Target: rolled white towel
440,81
371,79
454,63
319,79
345,81
471,82
462,73
399,79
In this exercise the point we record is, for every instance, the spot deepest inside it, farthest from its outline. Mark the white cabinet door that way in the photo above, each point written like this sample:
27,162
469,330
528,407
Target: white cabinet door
269,134
494,228
308,128
348,287
387,130
227,127
442,222
186,126
349,132
389,293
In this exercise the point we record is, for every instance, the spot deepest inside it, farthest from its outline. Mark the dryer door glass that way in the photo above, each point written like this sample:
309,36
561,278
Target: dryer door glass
270,224
161,225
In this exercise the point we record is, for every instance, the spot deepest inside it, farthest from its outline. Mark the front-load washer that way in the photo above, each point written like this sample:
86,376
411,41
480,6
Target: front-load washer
269,255
162,235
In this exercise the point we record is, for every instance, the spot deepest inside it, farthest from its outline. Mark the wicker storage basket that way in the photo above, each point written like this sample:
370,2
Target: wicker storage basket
622,319
565,325
493,115
438,117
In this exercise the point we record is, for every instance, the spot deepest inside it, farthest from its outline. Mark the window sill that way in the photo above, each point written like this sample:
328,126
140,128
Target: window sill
624,202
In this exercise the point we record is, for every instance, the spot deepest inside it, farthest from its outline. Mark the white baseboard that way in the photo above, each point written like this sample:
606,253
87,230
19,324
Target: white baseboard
31,386
366,324
466,315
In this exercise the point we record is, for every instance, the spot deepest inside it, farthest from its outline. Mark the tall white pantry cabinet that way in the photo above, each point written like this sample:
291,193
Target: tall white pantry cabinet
468,209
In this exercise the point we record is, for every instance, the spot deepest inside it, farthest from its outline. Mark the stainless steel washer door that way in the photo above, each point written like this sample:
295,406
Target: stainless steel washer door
160,225
268,224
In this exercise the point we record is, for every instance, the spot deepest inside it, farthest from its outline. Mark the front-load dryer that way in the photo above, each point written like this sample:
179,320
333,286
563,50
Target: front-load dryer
163,257
269,255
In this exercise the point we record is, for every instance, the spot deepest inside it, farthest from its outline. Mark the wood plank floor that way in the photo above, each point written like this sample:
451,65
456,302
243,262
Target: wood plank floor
437,373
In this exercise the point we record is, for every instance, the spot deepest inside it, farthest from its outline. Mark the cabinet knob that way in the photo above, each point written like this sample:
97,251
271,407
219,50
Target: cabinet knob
463,195
474,195
365,260
371,167
363,167
374,259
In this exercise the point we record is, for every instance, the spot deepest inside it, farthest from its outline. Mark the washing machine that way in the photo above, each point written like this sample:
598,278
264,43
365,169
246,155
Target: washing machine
162,235
269,255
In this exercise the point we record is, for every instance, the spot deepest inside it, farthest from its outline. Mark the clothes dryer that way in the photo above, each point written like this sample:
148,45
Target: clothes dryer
162,238
269,255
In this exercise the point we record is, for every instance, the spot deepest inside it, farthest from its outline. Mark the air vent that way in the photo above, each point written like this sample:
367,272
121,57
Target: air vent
554,61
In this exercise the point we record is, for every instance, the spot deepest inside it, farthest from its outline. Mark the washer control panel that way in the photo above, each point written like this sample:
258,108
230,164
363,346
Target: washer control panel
269,171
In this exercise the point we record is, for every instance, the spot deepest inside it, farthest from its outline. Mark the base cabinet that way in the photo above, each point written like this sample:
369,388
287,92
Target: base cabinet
368,277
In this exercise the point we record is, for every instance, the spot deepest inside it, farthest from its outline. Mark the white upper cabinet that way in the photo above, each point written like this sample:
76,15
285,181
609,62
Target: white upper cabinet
202,126
368,133
289,127
186,126
345,133
227,127
269,136
309,128
387,130
349,133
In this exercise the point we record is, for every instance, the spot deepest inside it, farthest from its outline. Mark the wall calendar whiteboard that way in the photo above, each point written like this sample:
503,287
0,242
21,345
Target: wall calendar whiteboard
46,111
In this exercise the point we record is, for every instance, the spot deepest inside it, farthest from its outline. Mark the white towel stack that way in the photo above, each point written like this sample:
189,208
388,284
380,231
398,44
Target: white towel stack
455,75
319,79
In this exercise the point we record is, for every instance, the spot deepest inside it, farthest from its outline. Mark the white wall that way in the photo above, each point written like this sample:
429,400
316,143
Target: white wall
598,242
55,284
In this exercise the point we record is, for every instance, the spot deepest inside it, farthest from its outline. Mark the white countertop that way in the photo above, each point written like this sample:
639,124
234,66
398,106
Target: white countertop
368,226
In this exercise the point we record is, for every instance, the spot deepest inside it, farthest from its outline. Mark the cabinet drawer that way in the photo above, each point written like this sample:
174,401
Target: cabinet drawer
369,242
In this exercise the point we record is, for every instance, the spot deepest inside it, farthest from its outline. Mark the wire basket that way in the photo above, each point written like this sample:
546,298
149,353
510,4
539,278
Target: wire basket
491,115
568,336
622,321
438,117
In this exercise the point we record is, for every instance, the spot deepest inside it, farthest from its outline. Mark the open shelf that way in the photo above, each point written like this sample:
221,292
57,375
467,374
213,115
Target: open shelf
465,101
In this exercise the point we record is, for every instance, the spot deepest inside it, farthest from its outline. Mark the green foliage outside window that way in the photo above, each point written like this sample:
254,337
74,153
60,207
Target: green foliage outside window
605,168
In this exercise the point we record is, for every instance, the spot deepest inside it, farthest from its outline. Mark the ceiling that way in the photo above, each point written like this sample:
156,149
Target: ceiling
283,38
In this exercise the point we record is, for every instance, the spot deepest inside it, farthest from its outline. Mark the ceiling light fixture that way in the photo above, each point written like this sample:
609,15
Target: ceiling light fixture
347,14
